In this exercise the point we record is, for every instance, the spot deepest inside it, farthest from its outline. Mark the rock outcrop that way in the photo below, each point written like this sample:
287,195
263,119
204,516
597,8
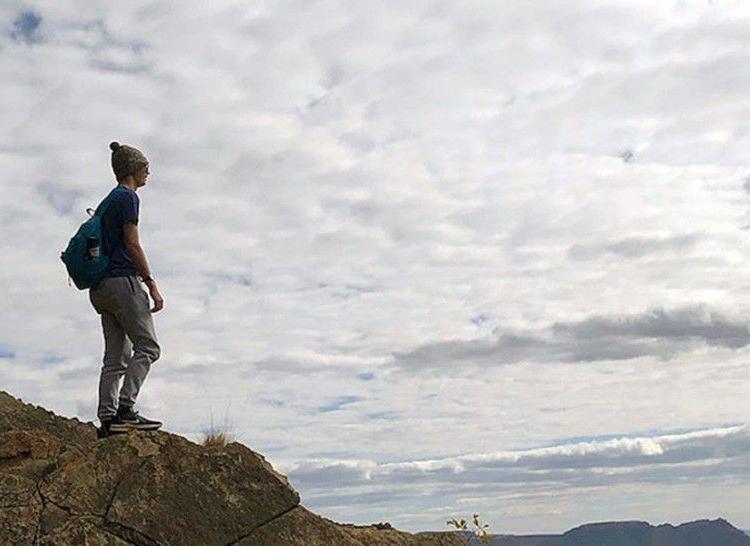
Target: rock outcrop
59,485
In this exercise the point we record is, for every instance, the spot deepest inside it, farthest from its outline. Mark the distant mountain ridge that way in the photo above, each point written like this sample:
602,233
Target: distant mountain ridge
718,532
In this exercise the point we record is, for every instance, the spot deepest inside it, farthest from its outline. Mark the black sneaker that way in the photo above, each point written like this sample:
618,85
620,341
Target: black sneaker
105,429
128,419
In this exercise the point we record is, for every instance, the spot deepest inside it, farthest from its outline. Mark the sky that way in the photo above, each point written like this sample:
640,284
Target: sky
429,258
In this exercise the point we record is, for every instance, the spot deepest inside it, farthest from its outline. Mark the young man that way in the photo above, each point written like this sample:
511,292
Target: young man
122,303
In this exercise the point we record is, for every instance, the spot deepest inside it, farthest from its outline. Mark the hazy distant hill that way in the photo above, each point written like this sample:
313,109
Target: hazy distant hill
635,533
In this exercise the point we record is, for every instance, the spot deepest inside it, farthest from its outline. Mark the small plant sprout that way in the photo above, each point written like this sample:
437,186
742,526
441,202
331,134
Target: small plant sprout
479,529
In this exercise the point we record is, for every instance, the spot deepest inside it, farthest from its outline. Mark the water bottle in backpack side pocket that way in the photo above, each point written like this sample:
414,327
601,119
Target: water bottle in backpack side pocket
92,248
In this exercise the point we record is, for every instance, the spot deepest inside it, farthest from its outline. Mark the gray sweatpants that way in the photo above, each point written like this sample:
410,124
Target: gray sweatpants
128,326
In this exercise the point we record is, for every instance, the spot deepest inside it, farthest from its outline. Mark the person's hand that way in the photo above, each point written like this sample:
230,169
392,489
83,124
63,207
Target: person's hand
156,296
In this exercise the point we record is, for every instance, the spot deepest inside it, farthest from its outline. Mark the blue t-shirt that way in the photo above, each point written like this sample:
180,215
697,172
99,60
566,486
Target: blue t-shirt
122,209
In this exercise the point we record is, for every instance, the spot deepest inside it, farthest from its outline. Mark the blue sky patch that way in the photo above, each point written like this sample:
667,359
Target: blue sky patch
366,376
479,319
7,353
244,279
353,290
386,415
339,402
26,26
52,359
650,433
61,199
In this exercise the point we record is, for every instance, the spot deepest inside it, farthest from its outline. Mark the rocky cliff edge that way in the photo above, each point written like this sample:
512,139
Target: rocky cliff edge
59,485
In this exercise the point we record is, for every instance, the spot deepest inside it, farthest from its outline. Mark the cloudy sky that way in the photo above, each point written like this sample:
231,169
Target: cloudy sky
430,258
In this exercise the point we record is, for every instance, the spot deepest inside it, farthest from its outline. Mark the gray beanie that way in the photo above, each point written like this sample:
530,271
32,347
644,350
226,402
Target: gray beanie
126,160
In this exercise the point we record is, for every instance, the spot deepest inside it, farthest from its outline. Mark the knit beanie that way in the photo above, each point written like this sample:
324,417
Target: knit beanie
126,160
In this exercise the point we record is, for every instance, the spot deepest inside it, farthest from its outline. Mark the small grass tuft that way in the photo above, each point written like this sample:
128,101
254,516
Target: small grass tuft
219,436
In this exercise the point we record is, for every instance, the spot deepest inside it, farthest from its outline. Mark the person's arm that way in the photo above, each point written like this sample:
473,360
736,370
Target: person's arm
136,253
135,250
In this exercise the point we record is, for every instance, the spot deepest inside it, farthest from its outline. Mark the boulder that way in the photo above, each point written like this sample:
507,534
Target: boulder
60,485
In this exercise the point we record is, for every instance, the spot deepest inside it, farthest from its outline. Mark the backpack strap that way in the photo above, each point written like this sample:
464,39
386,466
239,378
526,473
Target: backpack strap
102,208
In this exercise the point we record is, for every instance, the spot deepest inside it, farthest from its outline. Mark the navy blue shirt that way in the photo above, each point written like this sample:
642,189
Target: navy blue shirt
122,209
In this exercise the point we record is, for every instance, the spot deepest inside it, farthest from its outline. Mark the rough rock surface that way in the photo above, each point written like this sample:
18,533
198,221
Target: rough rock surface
59,485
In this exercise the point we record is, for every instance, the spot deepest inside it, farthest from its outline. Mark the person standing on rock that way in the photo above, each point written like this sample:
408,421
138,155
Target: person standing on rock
130,344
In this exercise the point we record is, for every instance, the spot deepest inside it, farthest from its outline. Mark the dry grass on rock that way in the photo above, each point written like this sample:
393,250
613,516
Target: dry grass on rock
217,438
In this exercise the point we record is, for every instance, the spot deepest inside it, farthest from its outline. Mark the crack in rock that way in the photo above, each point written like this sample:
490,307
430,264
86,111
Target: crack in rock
45,499
128,534
120,530
261,524
125,474
107,531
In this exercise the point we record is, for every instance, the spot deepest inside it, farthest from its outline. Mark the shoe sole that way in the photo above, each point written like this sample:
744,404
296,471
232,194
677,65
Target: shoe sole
125,427
101,435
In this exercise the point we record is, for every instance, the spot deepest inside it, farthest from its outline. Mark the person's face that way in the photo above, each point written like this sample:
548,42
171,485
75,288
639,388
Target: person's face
140,176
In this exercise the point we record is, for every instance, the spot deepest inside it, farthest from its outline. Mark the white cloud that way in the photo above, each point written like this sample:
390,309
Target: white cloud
344,192
542,482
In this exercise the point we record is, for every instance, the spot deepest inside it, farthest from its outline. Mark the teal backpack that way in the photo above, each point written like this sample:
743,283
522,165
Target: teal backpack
84,257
